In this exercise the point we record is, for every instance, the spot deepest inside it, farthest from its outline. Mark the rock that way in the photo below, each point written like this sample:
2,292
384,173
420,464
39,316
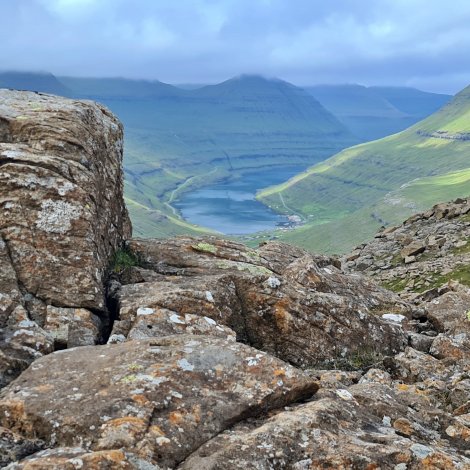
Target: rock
341,431
14,447
63,217
420,342
65,458
353,255
162,322
448,312
71,327
413,249
159,399
302,309
54,205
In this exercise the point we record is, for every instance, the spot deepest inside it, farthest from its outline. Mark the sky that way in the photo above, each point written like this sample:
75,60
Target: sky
420,43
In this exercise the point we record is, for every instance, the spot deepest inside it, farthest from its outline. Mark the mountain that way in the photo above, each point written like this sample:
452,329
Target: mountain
375,112
180,139
31,81
100,88
412,101
347,197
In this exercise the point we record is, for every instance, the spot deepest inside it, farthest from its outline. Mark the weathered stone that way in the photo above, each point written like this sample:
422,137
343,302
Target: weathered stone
159,398
448,312
14,447
413,249
151,322
302,309
71,327
342,431
63,217
75,458
61,195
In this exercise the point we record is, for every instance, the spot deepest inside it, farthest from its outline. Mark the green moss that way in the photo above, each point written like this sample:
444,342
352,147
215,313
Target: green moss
129,379
468,315
205,248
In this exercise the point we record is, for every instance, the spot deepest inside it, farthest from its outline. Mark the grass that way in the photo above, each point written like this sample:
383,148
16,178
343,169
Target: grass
346,198
178,140
122,260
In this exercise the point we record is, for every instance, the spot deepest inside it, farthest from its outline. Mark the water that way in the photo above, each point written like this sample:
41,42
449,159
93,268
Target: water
230,207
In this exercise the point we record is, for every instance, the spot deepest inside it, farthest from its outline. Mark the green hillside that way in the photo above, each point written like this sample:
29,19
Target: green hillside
375,112
346,198
179,139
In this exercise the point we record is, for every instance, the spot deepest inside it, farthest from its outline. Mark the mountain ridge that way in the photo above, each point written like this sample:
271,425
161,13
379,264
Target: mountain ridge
365,186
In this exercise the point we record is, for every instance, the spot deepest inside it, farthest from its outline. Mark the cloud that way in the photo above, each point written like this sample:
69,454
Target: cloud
418,42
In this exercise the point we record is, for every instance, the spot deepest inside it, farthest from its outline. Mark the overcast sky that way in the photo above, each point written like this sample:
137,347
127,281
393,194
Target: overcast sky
422,43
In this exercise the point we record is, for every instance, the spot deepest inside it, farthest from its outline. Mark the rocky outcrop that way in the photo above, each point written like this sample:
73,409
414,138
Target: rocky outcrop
220,356
160,399
423,253
63,217
279,299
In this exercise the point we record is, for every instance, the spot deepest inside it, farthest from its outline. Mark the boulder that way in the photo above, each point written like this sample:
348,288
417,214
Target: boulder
364,426
414,248
298,307
157,398
76,458
63,217
61,195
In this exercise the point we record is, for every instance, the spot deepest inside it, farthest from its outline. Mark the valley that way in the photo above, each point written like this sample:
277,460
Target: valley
195,157
348,197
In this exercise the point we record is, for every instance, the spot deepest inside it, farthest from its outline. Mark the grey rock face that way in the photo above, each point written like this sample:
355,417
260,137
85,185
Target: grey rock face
62,216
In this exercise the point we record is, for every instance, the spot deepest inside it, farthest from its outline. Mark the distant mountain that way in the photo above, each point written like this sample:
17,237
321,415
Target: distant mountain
100,88
347,197
375,112
31,81
412,101
178,139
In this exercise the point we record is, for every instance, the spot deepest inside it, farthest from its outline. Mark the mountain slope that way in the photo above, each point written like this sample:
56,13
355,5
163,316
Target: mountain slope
412,101
346,198
375,112
32,81
180,139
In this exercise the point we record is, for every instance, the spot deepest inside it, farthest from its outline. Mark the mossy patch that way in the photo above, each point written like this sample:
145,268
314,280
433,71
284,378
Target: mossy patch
395,285
362,359
205,248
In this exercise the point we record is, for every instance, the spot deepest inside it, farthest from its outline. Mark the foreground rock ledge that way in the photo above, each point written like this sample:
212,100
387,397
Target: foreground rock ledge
159,398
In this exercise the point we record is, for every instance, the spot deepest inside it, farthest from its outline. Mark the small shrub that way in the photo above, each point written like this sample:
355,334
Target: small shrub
123,259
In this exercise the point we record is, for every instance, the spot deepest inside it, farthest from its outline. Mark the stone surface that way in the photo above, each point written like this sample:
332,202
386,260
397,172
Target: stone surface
364,426
438,238
158,398
71,327
75,458
62,217
14,447
298,307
